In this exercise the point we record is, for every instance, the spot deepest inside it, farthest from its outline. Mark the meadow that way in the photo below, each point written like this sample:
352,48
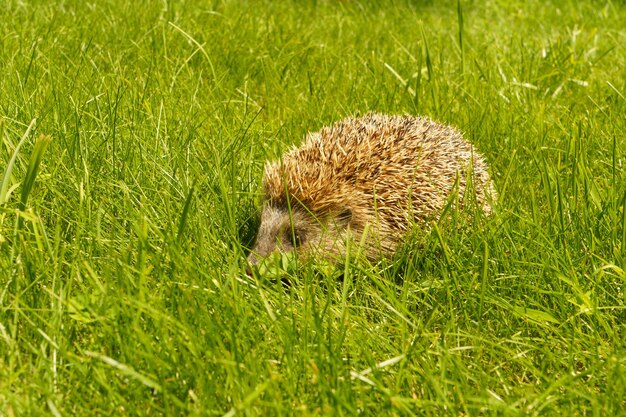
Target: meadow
132,142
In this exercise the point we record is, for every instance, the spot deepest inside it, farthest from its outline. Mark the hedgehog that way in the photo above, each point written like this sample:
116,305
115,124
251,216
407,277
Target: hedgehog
366,180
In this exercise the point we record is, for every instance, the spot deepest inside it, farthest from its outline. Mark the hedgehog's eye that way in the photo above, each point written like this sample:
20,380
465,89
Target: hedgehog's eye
345,216
295,236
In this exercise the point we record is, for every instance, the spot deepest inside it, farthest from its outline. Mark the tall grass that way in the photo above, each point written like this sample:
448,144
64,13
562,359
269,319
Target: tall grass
124,227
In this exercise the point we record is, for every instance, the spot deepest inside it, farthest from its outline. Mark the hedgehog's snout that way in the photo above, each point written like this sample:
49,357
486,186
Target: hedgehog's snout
277,233
253,259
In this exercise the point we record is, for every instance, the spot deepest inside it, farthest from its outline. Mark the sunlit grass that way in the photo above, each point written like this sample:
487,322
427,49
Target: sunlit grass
133,138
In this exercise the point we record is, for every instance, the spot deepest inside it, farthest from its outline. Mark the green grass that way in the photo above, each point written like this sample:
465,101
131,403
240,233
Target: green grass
126,213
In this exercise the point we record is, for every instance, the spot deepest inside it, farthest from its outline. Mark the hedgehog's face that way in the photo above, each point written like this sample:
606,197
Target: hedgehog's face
300,230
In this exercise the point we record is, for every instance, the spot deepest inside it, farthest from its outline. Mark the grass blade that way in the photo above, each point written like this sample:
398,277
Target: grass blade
6,177
185,213
460,21
33,167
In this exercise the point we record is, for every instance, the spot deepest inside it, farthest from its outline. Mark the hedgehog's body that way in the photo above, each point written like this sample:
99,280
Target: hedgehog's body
376,173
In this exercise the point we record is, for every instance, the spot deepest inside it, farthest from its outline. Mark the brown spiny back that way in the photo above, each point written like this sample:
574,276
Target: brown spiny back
389,170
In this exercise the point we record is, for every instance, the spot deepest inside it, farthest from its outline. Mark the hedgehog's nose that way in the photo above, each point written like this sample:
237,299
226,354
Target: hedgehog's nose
253,261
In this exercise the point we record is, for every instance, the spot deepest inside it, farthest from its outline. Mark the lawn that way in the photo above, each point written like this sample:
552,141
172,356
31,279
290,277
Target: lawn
132,142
